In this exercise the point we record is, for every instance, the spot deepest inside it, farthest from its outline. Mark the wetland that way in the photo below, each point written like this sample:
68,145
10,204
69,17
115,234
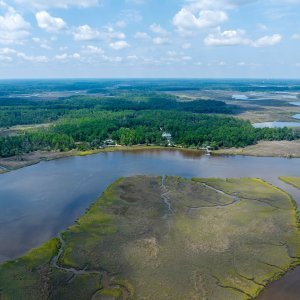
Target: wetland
165,238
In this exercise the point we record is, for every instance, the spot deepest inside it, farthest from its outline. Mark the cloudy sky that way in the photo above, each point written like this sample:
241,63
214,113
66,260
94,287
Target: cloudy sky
149,38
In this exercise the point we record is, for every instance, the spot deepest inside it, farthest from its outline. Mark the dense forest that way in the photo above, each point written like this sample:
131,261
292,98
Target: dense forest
22,111
88,129
85,121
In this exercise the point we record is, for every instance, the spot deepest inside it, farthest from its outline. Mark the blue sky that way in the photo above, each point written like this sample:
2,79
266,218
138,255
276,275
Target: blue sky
149,38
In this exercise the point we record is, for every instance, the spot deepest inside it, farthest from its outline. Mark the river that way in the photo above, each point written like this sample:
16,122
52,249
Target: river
39,201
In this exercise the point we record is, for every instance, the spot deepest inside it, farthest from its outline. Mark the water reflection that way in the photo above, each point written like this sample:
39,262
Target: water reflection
276,124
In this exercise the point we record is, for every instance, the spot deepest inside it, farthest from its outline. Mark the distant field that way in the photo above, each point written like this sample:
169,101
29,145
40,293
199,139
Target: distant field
171,238
267,148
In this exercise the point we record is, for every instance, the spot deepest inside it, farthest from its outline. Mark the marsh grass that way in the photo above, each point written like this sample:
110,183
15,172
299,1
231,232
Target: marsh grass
294,181
221,239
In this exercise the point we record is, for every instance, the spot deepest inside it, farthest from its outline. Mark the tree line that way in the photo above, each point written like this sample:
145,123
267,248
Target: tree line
88,128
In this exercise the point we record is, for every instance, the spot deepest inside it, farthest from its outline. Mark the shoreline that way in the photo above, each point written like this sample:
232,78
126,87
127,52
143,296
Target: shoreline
29,159
262,149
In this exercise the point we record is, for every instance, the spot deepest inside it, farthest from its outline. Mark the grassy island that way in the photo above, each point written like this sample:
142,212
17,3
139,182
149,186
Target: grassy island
165,238
294,181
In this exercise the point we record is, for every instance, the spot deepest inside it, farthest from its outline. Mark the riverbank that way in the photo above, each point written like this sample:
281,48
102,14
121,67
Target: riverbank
28,159
290,149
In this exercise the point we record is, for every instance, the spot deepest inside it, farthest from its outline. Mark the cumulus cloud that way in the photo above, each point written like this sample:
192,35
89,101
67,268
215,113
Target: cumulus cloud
9,53
65,57
268,40
161,40
119,45
90,49
157,29
49,23
87,33
238,37
13,27
227,38
43,43
187,22
200,14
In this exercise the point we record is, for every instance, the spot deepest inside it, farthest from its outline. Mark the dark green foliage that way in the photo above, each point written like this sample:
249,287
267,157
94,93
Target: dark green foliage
40,140
22,111
90,128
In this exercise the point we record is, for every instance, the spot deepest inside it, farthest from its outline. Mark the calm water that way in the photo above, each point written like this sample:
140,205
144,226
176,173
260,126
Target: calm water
276,124
39,201
297,116
240,97
297,103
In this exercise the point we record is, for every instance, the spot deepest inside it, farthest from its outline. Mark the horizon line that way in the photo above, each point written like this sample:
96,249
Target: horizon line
150,78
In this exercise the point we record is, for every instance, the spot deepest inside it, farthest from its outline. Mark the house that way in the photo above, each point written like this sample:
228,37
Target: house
109,143
168,137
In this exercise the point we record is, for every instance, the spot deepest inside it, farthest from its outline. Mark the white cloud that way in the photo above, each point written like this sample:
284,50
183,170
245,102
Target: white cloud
17,54
61,56
86,33
38,59
4,58
65,57
132,57
43,43
238,37
185,20
227,38
110,33
156,28
119,45
197,15
92,49
268,40
44,4
13,27
49,23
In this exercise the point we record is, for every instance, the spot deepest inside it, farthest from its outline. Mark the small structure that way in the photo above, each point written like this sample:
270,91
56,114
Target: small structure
208,150
109,143
168,137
